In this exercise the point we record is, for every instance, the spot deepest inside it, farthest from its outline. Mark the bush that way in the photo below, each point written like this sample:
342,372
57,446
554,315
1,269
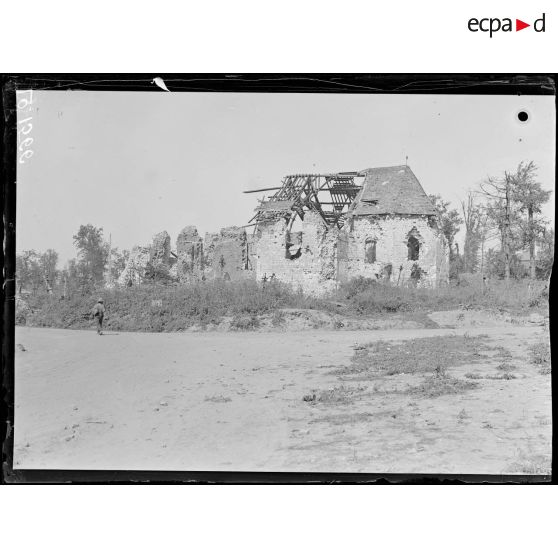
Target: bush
155,307
540,356
367,296
164,307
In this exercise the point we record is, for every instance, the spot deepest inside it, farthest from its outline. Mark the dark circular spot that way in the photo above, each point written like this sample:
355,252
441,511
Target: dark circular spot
522,116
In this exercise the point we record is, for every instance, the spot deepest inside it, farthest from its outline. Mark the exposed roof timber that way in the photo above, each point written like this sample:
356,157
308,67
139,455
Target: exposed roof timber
300,192
272,205
335,196
261,190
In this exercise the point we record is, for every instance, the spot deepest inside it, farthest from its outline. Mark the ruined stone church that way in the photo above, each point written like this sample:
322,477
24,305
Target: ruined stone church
314,232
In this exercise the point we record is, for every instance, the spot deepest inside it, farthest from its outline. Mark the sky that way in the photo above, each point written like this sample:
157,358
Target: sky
137,163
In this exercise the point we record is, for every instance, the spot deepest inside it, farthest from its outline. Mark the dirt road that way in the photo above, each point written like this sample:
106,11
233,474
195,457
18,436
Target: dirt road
234,401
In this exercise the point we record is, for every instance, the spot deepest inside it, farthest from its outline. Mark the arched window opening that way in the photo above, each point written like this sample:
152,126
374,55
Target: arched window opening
370,251
413,246
293,245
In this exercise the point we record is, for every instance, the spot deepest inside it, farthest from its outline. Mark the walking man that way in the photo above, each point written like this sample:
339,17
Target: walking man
98,313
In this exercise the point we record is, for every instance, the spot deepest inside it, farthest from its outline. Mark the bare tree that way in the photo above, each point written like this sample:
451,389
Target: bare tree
475,219
484,235
499,195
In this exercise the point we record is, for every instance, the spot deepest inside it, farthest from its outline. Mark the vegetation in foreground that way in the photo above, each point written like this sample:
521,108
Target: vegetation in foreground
430,358
540,356
158,308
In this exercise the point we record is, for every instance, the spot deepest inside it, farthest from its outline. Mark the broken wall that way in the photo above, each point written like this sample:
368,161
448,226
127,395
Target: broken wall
218,256
228,255
190,255
134,272
306,259
392,264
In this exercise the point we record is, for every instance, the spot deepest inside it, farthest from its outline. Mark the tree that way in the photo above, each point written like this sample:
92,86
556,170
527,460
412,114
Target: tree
449,222
28,271
474,219
514,205
530,197
499,207
47,262
92,254
35,269
496,265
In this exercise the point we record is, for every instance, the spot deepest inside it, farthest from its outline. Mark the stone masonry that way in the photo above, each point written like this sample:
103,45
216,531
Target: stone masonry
306,259
225,255
390,234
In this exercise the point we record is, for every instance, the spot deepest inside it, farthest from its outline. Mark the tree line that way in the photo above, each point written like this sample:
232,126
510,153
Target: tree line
96,264
504,213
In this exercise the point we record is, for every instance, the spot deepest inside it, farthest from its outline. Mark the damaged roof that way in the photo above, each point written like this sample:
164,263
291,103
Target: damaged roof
392,190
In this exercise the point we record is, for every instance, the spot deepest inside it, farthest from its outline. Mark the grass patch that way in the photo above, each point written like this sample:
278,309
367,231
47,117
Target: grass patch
441,383
245,322
176,307
503,353
518,296
430,357
416,356
278,319
540,357
506,367
505,376
338,395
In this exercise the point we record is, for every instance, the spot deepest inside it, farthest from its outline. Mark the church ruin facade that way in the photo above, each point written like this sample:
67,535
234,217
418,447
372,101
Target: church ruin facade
378,223
314,232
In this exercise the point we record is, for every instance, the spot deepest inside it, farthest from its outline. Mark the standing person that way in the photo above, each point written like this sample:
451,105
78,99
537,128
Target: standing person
98,312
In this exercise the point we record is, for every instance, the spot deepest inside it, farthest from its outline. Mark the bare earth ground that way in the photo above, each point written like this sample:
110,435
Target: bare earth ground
234,401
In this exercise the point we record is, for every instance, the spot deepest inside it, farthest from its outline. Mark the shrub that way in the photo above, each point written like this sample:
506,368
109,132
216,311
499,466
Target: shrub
366,296
540,357
441,383
175,307
245,322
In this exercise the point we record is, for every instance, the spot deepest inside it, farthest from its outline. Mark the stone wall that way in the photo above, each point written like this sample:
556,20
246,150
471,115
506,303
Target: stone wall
190,255
305,259
157,256
159,251
314,259
317,259
134,272
391,234
226,255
